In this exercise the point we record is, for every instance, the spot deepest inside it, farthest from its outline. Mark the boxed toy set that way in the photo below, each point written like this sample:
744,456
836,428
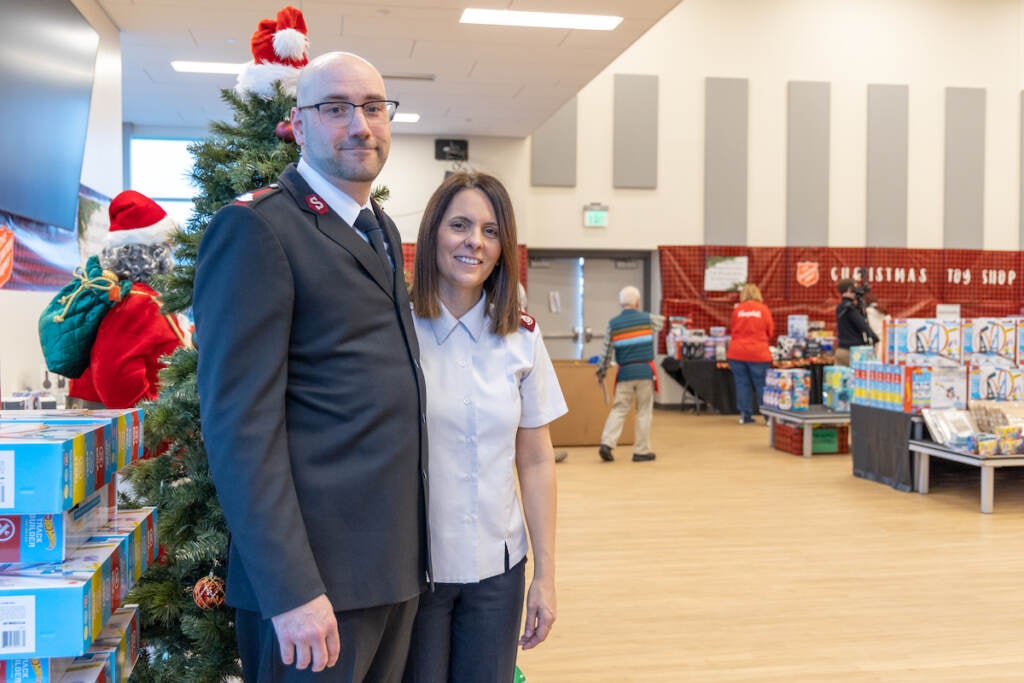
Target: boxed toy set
787,389
50,537
58,609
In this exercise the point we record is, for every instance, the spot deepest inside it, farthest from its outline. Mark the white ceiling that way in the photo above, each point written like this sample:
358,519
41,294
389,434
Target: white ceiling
488,80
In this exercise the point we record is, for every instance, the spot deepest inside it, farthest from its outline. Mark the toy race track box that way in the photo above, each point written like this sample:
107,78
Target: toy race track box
50,537
46,469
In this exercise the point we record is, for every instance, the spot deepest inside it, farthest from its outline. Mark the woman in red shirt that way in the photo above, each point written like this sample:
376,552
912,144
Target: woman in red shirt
752,329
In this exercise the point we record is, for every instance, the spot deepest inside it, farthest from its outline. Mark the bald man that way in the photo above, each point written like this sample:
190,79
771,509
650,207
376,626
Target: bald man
312,399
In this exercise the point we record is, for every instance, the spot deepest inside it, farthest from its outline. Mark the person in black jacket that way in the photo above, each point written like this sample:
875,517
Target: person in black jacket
851,326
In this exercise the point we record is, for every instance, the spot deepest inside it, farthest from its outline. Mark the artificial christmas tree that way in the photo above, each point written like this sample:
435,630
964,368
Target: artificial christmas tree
181,640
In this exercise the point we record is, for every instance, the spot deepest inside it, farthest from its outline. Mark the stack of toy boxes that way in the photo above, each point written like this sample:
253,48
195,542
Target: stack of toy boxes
787,389
921,367
909,389
69,558
837,388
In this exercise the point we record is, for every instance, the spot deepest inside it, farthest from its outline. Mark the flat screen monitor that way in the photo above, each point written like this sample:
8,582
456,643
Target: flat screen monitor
47,64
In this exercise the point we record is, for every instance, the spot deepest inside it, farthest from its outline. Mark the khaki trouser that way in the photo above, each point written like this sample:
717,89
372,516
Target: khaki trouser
643,390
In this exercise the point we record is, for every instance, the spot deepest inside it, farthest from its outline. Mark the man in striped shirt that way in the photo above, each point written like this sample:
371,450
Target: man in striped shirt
631,335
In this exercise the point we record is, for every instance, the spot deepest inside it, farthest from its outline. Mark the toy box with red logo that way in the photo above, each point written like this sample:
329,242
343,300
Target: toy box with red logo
45,670
990,341
925,341
996,383
57,610
49,538
125,428
46,469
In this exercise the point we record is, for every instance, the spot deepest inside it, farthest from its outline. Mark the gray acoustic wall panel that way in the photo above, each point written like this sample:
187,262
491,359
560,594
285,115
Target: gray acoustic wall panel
1020,194
807,163
726,142
887,165
553,150
964,186
635,132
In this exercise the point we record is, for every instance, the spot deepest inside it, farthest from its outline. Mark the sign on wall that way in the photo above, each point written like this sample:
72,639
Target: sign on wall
802,280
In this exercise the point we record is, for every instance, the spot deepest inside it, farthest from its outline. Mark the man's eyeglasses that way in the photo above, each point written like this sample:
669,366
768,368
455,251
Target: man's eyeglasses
340,113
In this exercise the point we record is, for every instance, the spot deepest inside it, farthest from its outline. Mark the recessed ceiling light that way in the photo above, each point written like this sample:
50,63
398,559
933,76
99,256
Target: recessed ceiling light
208,67
496,17
406,117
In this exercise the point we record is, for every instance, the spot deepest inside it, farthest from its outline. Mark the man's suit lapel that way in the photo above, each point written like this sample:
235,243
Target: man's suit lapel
337,230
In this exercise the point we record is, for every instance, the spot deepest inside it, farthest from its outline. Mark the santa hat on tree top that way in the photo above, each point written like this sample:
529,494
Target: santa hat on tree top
137,219
279,48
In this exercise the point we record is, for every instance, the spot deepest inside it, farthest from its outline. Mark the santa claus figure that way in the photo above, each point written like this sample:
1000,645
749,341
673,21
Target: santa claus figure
134,335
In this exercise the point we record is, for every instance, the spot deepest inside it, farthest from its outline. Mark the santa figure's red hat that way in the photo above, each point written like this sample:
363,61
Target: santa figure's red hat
137,219
279,48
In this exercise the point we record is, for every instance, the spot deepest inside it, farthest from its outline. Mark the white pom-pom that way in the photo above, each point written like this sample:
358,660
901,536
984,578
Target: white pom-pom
258,79
290,43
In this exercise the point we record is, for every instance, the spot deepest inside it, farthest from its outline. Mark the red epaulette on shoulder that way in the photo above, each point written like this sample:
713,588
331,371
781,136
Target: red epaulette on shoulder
250,197
527,321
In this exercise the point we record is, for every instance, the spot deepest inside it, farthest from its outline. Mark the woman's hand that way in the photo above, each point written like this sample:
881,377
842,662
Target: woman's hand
540,612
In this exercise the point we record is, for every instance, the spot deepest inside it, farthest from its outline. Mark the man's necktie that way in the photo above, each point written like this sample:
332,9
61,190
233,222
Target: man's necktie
366,223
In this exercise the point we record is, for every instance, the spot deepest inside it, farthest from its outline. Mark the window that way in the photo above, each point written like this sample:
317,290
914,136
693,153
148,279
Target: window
161,169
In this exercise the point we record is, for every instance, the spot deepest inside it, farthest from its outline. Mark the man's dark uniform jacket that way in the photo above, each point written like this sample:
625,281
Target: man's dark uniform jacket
312,404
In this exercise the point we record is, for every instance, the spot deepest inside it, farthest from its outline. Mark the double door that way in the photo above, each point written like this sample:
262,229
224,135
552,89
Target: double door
574,296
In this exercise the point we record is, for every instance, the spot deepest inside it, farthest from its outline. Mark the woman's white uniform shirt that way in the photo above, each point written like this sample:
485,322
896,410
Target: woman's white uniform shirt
481,388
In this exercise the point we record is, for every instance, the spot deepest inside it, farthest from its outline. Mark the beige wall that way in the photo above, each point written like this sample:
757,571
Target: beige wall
21,362
926,44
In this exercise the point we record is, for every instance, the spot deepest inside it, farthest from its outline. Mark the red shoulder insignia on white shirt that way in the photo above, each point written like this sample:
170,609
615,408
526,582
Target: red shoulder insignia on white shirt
527,321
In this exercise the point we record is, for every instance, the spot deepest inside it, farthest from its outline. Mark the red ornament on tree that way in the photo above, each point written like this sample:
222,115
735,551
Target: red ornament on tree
209,592
284,131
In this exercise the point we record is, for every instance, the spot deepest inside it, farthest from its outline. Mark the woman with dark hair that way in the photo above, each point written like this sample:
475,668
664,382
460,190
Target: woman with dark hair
751,328
135,334
491,393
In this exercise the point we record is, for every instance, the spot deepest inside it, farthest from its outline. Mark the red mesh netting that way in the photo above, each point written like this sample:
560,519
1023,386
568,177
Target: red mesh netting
802,280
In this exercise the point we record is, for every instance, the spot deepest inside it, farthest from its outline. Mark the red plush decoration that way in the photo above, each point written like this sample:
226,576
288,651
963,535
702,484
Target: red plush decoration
209,592
284,131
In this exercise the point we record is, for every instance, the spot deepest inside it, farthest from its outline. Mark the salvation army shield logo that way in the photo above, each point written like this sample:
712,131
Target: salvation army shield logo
807,273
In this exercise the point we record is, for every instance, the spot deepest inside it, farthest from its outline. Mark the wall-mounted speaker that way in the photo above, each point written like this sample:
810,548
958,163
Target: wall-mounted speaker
451,150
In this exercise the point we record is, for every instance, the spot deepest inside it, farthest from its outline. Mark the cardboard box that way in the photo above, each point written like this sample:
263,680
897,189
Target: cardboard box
46,469
35,670
125,435
89,672
122,635
588,405
990,341
49,538
117,648
58,610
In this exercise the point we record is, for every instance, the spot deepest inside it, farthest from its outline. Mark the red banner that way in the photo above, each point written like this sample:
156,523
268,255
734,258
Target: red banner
802,280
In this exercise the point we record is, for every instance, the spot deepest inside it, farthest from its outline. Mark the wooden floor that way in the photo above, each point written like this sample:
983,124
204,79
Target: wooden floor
725,560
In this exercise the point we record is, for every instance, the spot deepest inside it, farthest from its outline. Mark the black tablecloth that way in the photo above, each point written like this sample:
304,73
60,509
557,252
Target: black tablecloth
878,441
715,386
712,384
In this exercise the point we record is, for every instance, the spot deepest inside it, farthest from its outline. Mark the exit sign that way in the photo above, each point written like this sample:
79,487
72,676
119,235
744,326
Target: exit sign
595,216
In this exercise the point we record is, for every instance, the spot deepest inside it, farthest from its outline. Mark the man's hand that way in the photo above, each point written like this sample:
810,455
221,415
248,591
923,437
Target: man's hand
309,634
